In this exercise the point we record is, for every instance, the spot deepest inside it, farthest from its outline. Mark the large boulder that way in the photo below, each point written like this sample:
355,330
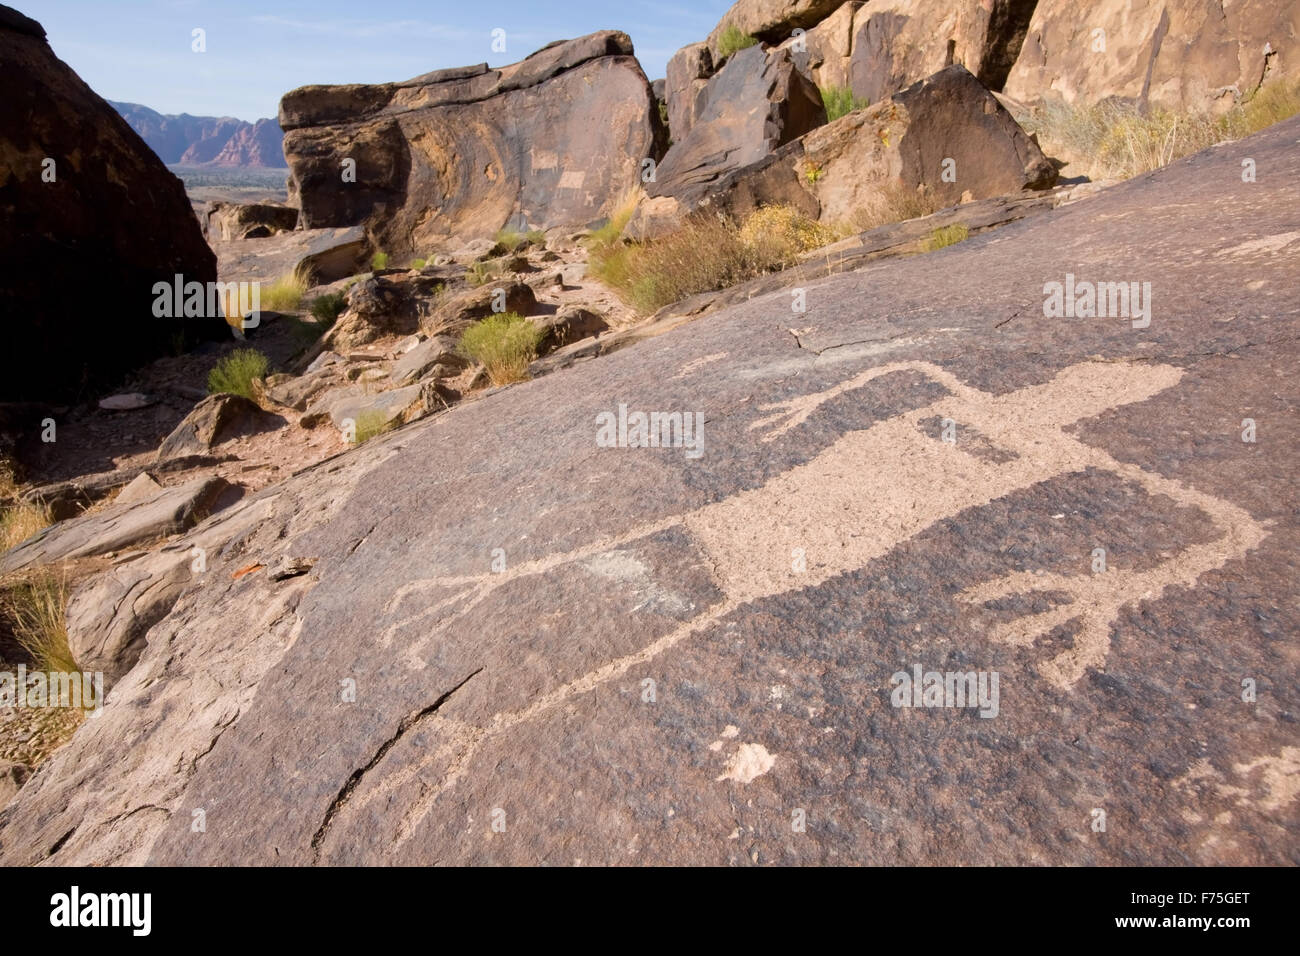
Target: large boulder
213,420
1180,54
93,220
897,42
555,140
947,122
319,255
754,105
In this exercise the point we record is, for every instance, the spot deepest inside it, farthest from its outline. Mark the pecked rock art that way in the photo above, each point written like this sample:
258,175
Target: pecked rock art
828,508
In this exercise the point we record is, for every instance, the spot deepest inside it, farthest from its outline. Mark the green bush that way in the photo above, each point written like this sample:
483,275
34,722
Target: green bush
505,343
370,423
480,273
840,101
419,263
235,373
733,40
379,261
326,308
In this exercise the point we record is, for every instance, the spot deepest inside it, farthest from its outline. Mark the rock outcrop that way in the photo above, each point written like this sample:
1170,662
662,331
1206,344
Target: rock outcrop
119,526
554,140
754,105
946,135
93,221
897,42
824,53
1179,54
647,676
875,49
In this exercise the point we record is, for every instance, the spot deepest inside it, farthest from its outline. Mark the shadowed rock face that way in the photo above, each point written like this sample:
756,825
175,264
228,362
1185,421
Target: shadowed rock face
679,652
1180,54
79,255
554,140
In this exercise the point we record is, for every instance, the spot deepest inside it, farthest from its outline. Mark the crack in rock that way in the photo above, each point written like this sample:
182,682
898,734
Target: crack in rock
351,784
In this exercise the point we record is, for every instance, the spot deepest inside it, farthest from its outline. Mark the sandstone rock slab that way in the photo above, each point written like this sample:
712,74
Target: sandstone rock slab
117,527
553,140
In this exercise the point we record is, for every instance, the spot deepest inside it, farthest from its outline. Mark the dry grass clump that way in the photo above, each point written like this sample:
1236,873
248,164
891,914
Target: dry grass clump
235,373
284,294
36,609
733,40
1118,141
893,202
369,424
945,236
707,252
506,344
19,520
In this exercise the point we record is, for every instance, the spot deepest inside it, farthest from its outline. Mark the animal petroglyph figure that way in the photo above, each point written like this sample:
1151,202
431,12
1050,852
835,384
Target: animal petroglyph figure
852,503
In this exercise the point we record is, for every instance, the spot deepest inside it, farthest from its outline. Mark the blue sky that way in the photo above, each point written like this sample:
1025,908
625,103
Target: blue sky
139,51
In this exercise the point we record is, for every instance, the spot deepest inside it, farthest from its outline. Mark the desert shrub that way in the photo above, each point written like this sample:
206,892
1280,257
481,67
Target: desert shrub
379,261
947,236
506,343
36,607
708,252
283,295
840,101
509,239
780,234
733,40
536,237
1118,141
419,263
235,373
327,307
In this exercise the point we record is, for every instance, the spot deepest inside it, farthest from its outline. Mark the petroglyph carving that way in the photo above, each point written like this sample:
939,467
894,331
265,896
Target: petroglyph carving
821,506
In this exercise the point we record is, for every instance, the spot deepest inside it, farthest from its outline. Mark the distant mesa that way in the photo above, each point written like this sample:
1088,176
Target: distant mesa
187,140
